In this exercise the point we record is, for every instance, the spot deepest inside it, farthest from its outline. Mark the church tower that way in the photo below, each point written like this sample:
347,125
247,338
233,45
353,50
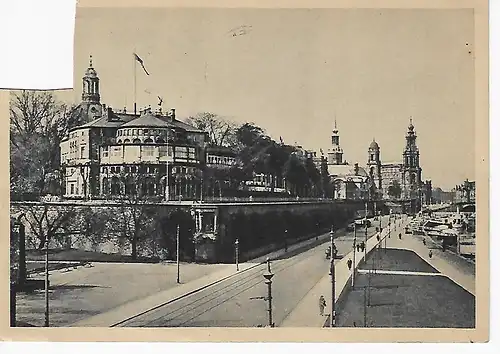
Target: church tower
374,164
91,99
335,152
412,173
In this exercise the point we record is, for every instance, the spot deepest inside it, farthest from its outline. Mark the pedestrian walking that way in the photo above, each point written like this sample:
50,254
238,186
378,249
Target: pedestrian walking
349,263
322,305
424,242
400,235
430,254
357,247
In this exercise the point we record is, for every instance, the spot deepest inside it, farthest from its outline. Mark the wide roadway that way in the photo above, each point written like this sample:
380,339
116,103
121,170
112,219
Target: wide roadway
237,301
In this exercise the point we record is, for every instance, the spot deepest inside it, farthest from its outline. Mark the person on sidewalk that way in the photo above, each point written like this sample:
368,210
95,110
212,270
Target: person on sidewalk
349,263
322,305
430,254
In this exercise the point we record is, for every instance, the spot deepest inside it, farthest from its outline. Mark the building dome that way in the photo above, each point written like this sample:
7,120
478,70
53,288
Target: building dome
374,145
90,72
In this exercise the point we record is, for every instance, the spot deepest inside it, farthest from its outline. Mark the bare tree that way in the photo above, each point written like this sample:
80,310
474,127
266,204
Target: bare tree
38,123
135,215
221,132
93,224
46,221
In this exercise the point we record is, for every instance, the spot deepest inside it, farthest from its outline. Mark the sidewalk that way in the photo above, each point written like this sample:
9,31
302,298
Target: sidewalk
127,310
306,314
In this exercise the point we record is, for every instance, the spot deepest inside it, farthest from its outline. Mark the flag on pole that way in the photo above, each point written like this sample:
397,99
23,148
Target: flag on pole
138,58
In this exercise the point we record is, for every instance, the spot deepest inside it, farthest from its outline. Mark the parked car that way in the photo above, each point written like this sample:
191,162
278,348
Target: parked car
350,227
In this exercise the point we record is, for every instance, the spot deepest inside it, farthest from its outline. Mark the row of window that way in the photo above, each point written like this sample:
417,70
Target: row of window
133,132
221,160
76,134
148,169
181,152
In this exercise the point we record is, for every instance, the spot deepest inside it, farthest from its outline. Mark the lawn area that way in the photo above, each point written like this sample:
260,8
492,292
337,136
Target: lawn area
424,301
394,259
77,293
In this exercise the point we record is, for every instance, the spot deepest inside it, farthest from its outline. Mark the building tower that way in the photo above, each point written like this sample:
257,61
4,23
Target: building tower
374,164
91,99
412,173
335,152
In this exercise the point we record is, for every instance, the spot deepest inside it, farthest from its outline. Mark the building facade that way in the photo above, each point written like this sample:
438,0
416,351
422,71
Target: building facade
465,192
151,154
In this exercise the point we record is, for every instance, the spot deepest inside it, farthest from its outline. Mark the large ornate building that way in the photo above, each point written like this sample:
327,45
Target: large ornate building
397,180
120,153
349,181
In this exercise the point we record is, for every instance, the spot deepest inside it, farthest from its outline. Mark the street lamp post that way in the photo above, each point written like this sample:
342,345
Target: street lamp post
366,229
353,257
332,274
286,240
47,282
380,224
268,276
236,243
178,259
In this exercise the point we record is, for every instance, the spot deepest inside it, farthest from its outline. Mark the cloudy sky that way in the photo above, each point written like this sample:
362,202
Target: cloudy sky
293,71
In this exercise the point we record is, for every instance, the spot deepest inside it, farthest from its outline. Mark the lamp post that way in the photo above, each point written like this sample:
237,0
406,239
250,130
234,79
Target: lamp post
286,240
366,228
353,257
236,243
47,283
380,224
332,274
268,276
178,259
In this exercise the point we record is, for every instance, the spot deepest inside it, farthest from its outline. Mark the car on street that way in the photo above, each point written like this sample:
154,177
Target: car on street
350,227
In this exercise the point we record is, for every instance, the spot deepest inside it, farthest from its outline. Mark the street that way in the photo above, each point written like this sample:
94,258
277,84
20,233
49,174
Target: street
238,301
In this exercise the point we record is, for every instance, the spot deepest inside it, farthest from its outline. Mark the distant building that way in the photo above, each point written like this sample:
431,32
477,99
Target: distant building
465,192
348,181
390,177
427,191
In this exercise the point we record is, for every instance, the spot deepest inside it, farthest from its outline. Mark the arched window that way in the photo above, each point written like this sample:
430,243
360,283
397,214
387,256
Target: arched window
137,141
148,141
115,186
105,186
160,140
148,187
126,141
130,187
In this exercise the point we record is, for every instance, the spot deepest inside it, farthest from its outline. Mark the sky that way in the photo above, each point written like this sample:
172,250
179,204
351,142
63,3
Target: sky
294,71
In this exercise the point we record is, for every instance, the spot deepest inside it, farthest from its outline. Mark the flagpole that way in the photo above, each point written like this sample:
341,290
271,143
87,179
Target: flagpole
135,84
